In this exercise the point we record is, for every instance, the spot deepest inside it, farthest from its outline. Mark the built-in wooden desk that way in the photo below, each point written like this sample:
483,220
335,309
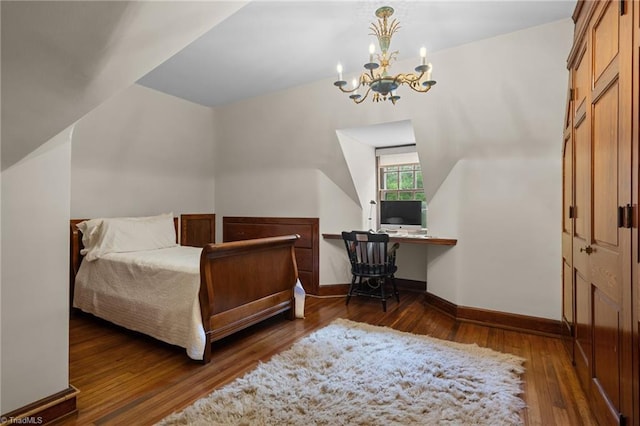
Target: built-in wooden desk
434,241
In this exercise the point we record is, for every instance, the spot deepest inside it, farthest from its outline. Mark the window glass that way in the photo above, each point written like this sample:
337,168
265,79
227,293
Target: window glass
391,180
390,196
401,180
407,180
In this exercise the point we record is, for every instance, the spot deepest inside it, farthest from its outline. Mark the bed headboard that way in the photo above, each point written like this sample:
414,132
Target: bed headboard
197,230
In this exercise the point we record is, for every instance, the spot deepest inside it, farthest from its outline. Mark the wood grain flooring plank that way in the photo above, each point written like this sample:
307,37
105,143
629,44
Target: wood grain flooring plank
127,378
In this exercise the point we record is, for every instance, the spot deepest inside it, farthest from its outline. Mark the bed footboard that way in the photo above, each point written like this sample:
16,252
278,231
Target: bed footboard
244,282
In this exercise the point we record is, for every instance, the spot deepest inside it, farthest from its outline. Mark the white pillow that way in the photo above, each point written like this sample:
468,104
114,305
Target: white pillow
90,232
126,234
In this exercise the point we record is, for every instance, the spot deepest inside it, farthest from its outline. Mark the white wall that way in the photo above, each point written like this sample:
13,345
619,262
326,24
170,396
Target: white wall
508,221
292,193
361,161
485,108
505,214
35,274
143,152
504,195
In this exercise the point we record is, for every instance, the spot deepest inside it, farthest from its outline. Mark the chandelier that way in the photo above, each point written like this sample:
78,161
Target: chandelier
376,78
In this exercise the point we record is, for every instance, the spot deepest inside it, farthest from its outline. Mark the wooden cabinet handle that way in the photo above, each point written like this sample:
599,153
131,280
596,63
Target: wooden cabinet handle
587,249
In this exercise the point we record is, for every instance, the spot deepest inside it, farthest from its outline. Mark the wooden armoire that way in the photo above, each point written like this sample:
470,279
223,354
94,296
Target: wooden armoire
600,232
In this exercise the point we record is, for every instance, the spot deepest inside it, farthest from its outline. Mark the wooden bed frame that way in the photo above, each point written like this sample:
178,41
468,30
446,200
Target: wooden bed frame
241,283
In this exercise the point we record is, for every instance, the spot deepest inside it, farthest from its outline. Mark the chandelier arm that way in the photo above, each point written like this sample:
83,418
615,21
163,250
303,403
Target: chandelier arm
359,101
409,78
362,81
367,78
419,88
346,91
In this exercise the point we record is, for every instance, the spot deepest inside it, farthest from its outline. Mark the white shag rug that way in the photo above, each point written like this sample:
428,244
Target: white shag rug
350,373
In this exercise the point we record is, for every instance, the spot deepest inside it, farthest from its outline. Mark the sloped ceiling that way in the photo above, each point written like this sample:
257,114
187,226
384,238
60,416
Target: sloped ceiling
60,59
268,46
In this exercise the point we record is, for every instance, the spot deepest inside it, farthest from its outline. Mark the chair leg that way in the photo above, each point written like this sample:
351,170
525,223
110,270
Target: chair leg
395,289
349,293
382,282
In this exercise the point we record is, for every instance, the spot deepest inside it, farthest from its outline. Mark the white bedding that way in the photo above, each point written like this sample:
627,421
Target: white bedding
153,291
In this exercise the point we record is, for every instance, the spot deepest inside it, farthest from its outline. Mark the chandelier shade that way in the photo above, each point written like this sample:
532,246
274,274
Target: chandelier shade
376,78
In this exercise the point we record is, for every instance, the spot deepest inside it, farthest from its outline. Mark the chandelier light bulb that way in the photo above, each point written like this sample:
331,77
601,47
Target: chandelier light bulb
372,50
429,71
423,54
339,68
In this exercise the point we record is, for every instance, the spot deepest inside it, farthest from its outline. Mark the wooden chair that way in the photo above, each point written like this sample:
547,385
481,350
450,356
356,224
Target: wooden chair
373,262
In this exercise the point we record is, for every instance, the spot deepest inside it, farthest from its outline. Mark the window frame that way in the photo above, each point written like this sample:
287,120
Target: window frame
380,192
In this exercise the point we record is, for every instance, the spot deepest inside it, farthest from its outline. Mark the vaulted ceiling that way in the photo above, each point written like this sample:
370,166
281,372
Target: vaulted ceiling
61,59
268,46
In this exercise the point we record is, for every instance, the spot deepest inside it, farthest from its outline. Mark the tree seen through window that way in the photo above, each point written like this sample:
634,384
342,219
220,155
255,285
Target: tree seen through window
399,182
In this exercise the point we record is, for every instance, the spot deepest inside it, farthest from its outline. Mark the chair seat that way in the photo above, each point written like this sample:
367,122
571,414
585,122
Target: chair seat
375,273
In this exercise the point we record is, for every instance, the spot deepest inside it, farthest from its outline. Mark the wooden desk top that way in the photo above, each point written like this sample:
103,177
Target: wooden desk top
434,241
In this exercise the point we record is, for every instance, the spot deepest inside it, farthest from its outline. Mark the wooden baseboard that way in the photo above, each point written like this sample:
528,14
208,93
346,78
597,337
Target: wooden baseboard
411,285
443,305
505,320
333,290
44,411
401,283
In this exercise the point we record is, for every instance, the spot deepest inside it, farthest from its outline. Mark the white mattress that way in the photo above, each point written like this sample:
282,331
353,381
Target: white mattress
154,292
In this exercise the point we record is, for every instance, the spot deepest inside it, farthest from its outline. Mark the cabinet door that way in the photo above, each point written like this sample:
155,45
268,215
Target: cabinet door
602,248
567,228
636,200
582,218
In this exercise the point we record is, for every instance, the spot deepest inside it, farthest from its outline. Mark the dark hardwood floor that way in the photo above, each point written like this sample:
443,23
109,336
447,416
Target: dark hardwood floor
127,378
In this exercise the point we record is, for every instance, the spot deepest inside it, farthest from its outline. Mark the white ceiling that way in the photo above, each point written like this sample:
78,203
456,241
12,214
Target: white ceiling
268,46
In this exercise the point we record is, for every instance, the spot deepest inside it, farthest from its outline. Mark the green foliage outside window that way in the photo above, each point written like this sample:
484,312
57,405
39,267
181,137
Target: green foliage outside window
402,182
390,180
393,196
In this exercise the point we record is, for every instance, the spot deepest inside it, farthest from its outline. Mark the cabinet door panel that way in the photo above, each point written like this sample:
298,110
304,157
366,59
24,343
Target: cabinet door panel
606,360
583,329
582,81
567,293
605,39
567,187
605,168
582,173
